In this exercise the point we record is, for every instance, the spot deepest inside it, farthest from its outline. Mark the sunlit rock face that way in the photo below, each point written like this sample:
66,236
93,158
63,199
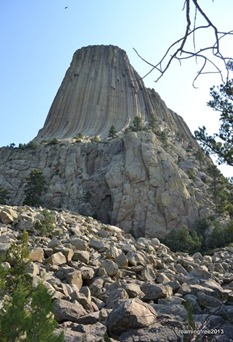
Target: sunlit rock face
100,89
147,181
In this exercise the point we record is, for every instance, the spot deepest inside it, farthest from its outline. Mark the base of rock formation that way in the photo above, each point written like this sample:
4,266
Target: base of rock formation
137,181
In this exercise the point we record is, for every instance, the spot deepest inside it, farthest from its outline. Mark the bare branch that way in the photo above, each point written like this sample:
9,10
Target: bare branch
179,53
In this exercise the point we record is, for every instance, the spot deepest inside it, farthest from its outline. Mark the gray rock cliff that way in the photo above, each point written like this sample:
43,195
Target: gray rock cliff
146,182
100,89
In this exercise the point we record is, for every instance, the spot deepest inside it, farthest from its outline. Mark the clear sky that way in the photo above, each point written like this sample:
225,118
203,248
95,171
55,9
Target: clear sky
38,39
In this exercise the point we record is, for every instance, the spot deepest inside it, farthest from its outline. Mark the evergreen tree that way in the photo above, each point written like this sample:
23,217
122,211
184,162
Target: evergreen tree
26,312
137,124
220,144
39,322
183,240
34,188
112,132
222,191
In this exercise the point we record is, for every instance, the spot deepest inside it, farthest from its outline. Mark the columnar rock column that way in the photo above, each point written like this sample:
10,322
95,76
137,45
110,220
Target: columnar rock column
100,89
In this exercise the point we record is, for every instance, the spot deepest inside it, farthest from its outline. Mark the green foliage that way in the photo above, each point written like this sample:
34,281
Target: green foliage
22,146
183,240
106,338
46,226
96,139
222,191
32,144
207,235
53,142
189,310
35,186
192,326
3,195
200,155
137,125
17,257
40,324
221,143
153,123
217,238
13,316
26,314
112,132
221,236
78,137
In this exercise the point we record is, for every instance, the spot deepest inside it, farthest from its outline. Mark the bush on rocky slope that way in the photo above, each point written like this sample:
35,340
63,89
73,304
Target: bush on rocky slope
25,311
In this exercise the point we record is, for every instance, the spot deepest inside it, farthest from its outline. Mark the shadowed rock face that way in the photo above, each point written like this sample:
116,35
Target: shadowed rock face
101,89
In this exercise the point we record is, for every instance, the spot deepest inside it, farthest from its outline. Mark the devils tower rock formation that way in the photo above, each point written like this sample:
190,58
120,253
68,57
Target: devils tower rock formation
101,89
145,181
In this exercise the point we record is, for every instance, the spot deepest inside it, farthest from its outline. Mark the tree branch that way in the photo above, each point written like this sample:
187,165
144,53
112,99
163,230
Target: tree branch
181,54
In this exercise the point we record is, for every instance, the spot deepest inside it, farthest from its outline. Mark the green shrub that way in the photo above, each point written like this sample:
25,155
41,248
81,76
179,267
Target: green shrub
26,312
112,132
183,240
96,139
54,141
221,236
46,226
222,191
17,257
32,144
200,155
217,238
79,136
27,316
35,186
137,125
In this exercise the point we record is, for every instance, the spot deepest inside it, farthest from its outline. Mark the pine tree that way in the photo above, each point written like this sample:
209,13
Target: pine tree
220,144
137,124
26,312
34,188
112,132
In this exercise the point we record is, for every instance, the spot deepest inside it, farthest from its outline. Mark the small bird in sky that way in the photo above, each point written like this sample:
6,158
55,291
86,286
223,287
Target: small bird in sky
66,7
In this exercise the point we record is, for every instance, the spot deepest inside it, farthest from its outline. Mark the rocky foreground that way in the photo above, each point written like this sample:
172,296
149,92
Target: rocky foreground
107,286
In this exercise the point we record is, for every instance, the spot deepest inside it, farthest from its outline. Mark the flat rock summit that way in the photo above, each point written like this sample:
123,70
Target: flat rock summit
146,179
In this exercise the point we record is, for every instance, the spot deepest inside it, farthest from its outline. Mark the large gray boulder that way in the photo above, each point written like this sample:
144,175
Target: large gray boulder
131,314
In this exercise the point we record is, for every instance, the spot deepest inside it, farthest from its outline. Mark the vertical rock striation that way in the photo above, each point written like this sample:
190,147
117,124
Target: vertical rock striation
100,89
146,182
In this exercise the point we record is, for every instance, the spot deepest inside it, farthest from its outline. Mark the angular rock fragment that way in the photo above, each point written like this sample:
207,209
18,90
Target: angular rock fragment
131,314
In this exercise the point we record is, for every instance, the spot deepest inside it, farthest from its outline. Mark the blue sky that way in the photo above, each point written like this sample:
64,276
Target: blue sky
38,39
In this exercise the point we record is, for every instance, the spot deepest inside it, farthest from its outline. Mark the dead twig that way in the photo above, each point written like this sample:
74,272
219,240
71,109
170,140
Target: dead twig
209,55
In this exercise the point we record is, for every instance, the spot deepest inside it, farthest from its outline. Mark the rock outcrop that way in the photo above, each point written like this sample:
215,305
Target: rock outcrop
147,180
108,286
136,182
101,89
